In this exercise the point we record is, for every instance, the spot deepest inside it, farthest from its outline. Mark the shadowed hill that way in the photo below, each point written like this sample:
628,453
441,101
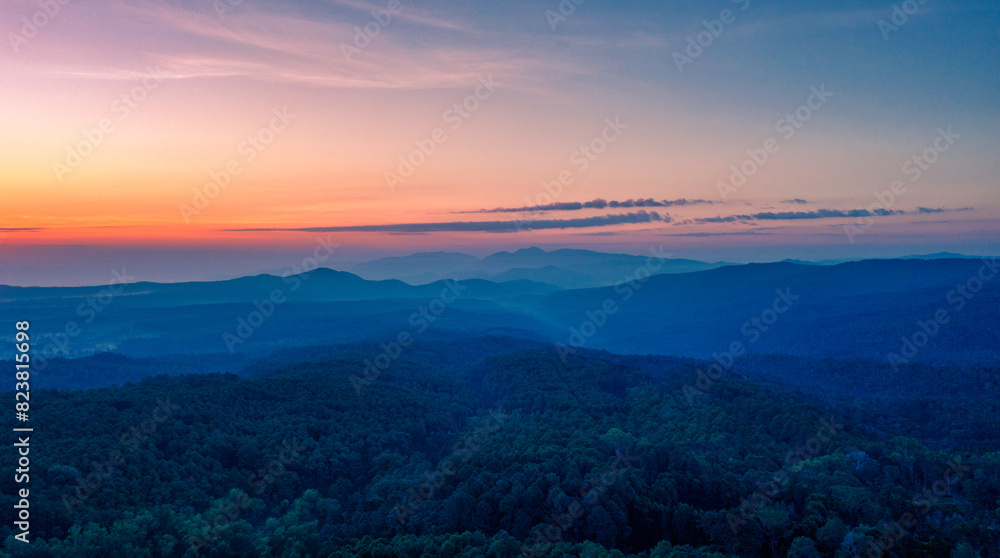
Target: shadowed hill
852,309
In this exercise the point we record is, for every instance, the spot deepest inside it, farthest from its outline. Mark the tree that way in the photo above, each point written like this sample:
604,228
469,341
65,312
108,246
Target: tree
803,547
774,523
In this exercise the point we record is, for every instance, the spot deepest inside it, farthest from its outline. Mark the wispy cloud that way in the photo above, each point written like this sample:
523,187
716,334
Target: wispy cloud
411,13
593,204
796,215
294,45
711,234
491,226
942,210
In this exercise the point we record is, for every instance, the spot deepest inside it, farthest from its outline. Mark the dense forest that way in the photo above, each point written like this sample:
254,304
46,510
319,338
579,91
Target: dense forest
498,447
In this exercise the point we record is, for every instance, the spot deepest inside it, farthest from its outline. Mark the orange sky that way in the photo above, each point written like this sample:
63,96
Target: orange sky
184,93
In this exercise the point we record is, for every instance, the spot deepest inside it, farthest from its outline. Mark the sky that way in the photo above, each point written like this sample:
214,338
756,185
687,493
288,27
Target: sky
204,139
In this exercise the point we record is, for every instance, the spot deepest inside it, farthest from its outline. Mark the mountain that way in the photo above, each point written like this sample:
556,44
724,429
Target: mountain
565,268
149,319
740,411
866,309
321,284
941,256
422,267
862,309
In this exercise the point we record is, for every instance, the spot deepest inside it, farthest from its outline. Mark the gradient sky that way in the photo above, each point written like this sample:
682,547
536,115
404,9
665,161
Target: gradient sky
180,86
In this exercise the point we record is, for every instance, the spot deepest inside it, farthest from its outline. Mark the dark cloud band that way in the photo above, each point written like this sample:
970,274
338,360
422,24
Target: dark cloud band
795,215
592,204
492,226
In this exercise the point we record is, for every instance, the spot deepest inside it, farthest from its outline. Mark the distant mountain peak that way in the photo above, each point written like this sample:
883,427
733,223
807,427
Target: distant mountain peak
940,256
532,251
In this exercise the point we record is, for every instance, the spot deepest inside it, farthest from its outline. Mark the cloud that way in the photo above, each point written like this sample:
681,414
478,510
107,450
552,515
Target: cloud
795,215
491,226
649,202
593,204
709,234
799,201
824,214
423,19
942,210
298,43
